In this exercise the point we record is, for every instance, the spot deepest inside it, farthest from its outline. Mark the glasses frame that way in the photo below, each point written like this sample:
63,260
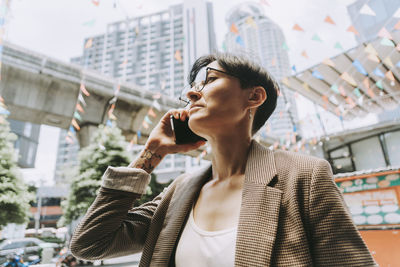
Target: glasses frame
195,86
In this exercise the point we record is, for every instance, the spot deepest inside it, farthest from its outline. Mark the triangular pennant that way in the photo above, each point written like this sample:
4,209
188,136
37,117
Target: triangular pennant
379,84
373,58
316,38
285,47
325,99
147,119
366,10
360,100
178,56
89,23
398,64
334,88
385,34
370,49
96,2
378,72
145,125
109,124
387,42
389,75
306,86
357,92
350,101
338,46
297,27
345,76
294,68
79,108
397,48
83,89
304,54
397,13
239,40
80,97
157,95
357,64
329,20
156,105
371,93
397,26
366,83
264,2
250,21
152,113
234,29
273,62
75,124
112,116
329,62
285,81
139,134
388,62
89,43
353,30
317,75
342,91
77,116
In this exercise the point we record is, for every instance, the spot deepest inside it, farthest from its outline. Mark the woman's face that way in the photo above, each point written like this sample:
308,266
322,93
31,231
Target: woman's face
220,106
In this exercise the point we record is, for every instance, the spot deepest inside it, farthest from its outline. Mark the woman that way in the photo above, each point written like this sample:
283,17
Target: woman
251,207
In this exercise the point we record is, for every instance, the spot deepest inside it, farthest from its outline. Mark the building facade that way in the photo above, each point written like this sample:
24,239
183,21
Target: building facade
369,26
155,52
259,37
27,142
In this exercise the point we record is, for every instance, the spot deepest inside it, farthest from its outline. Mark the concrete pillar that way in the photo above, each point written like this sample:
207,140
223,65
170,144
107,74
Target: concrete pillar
85,133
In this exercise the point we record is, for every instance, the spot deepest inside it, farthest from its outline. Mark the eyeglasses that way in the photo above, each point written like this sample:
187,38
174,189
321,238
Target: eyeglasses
198,84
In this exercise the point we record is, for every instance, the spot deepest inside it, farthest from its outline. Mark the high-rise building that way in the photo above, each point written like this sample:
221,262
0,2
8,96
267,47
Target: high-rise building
26,143
258,36
369,17
67,158
155,51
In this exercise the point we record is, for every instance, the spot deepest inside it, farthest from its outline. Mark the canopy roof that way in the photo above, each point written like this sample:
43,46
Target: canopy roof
359,81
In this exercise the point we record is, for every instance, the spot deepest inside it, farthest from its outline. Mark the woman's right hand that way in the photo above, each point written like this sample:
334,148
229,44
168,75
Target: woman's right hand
161,139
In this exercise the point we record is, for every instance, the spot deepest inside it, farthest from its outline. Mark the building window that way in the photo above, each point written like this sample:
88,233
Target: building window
368,154
392,141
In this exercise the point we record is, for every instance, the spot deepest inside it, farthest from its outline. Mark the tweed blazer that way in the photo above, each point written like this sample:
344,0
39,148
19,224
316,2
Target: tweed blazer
291,214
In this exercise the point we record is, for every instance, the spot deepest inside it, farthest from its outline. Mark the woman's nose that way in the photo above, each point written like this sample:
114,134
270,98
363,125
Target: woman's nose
193,95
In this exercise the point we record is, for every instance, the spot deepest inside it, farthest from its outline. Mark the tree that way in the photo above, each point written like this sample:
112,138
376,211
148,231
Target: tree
107,148
14,195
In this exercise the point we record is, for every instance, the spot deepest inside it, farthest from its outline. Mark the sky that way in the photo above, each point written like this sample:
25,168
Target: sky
57,28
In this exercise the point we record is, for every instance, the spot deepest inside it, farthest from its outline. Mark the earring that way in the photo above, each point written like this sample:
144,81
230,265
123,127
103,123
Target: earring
250,115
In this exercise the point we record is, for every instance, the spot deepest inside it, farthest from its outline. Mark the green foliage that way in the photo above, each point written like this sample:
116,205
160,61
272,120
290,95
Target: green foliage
14,195
107,148
153,190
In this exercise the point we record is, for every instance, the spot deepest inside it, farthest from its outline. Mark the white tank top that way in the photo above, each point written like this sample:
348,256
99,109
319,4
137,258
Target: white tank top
200,248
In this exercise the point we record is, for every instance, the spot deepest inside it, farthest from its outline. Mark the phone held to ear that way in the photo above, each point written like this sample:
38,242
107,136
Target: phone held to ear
183,134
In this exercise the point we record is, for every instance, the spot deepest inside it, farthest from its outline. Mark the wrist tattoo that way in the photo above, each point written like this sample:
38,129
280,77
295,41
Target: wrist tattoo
147,160
147,154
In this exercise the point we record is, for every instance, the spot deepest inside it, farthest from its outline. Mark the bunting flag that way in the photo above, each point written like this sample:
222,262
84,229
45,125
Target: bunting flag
370,49
156,105
294,68
69,140
338,46
239,40
111,116
71,131
359,67
89,23
145,125
334,88
83,89
273,62
123,63
139,134
264,2
152,113
342,91
285,81
378,72
385,34
329,62
325,99
306,86
329,20
117,88
398,64
357,92
296,27
371,93
389,75
96,2
80,97
250,21
350,101
353,30
366,83
137,30
316,38
4,111
360,100
317,75
397,47
75,124
304,54
134,140
178,56
109,124
285,47
387,42
79,108
366,10
234,29
397,13
89,43
337,111
345,76
77,116
397,26
157,95
379,84
373,58
147,119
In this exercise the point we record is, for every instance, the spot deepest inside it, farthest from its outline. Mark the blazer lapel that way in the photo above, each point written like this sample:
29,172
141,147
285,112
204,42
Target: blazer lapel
179,208
259,212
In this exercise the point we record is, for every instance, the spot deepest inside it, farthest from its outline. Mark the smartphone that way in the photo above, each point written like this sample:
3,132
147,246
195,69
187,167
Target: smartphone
183,134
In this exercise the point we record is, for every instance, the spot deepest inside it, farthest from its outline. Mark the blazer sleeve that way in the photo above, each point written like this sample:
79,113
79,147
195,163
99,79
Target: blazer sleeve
335,240
111,227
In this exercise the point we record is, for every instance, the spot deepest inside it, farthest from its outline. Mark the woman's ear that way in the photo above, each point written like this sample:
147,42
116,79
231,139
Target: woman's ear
257,96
